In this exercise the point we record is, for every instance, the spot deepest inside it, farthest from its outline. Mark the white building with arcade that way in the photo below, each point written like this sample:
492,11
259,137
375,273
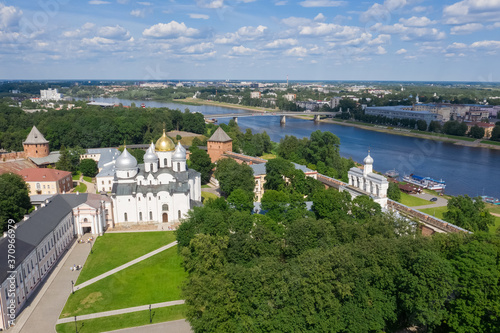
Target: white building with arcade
366,182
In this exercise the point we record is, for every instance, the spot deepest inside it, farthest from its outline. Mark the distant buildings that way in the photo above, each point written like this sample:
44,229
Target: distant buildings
290,97
50,95
255,94
402,112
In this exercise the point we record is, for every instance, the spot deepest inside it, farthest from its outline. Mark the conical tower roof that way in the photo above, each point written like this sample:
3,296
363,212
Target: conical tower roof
35,137
220,136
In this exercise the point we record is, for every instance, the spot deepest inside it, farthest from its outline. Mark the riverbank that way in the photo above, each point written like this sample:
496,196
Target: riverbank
400,132
193,101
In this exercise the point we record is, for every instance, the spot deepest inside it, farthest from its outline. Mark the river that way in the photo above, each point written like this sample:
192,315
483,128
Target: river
466,170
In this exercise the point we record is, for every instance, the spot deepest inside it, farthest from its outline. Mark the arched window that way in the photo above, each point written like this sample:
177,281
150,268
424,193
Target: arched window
164,208
151,216
179,214
178,166
165,162
140,216
125,217
85,220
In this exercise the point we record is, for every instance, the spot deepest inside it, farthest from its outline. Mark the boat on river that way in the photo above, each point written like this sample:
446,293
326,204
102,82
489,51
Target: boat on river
426,182
491,200
392,173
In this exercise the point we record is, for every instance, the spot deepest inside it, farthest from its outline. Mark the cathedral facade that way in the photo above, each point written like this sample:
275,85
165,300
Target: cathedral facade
162,190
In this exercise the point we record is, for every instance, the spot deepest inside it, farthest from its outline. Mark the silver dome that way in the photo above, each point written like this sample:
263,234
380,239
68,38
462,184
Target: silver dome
368,159
125,161
180,153
150,156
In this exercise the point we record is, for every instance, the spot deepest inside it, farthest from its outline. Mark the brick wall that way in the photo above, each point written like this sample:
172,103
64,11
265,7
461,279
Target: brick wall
12,156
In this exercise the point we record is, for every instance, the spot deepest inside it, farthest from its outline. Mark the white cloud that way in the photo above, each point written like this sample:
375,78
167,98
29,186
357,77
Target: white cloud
114,32
214,4
382,12
401,51
138,12
243,33
466,28
380,50
145,3
415,21
456,45
293,21
449,55
471,11
241,50
88,26
172,29
199,16
9,16
281,3
322,3
381,39
99,2
198,48
97,41
487,44
280,43
320,17
298,51
410,33
251,32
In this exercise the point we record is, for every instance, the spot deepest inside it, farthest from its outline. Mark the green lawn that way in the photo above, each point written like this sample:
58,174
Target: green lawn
268,156
111,323
112,250
82,188
489,142
154,280
493,208
494,228
77,176
87,179
205,186
437,212
208,195
412,201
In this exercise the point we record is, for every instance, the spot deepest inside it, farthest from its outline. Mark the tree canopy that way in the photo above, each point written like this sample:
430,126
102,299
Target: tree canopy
200,161
14,198
232,175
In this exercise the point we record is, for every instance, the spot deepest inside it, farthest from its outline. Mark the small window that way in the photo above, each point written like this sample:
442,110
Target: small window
140,216
164,208
178,166
125,217
151,216
179,214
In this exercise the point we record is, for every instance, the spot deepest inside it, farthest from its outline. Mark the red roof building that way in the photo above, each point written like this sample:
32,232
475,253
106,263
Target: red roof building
47,181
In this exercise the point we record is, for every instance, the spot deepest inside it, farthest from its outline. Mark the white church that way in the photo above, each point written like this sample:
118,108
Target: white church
366,182
162,190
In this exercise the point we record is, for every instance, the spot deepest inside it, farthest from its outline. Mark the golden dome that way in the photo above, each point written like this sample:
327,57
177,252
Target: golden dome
164,143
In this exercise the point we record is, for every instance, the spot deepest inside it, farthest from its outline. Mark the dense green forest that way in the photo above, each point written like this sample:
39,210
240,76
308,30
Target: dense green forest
344,267
91,126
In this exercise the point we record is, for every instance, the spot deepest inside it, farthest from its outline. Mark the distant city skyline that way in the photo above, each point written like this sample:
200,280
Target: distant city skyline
391,40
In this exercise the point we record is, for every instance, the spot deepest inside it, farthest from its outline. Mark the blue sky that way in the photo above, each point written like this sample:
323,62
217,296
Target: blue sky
250,39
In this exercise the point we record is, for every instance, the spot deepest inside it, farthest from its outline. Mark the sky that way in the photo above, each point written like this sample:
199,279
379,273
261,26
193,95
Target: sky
402,40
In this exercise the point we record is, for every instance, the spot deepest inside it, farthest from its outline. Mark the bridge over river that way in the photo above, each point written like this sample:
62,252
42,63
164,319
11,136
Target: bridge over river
282,114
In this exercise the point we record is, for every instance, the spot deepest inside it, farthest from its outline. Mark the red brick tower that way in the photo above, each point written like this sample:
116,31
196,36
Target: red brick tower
218,144
35,144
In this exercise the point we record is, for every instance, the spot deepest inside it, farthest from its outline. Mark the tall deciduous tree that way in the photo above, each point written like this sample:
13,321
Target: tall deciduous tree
200,161
14,198
88,167
232,175
468,213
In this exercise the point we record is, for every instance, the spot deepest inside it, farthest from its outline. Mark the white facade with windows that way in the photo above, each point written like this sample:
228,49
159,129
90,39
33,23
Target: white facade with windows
365,182
162,190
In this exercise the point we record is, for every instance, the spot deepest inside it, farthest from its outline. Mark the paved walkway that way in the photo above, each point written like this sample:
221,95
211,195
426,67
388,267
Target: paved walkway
119,268
175,326
213,189
41,315
119,311
439,203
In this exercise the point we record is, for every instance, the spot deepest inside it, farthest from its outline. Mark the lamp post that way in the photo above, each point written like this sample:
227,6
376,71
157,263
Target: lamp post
76,327
150,318
72,289
91,247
